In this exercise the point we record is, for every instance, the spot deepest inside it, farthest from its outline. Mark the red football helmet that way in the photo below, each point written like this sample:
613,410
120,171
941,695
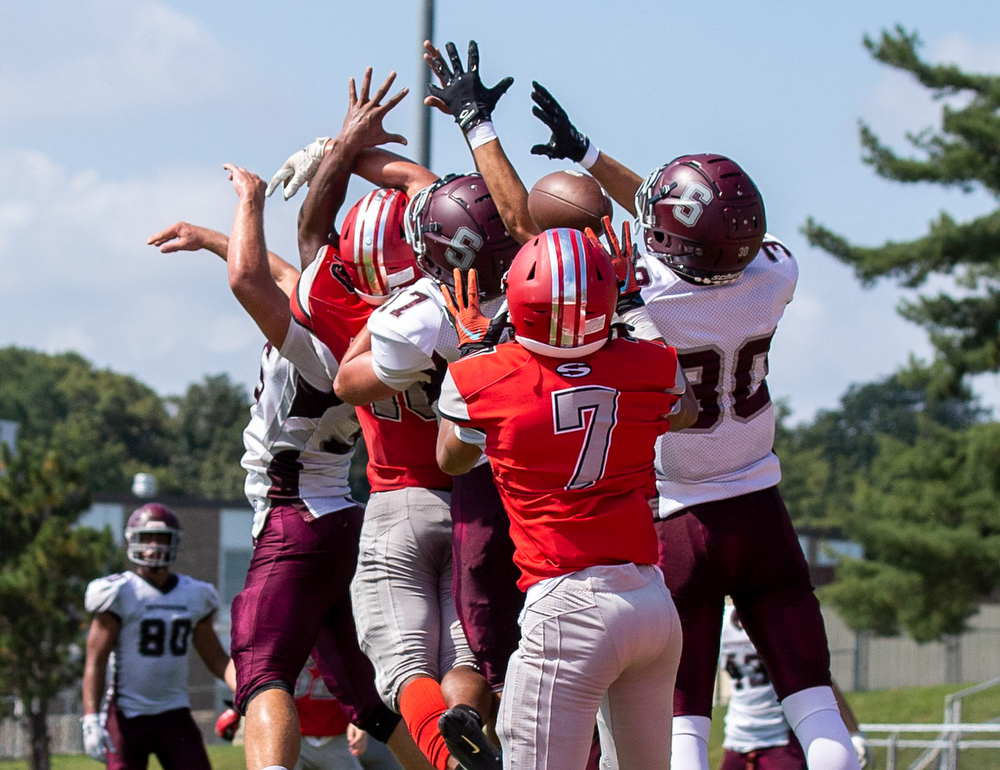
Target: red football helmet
152,519
373,246
561,294
703,216
455,223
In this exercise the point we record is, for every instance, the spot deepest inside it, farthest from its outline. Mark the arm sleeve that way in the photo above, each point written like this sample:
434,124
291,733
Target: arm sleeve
397,362
313,360
104,595
210,601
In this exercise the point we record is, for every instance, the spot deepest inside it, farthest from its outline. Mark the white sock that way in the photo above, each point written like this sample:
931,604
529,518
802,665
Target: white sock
689,744
815,718
275,767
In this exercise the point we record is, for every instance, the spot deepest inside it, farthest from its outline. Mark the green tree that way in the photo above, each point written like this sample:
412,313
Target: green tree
964,153
109,424
206,440
928,516
45,565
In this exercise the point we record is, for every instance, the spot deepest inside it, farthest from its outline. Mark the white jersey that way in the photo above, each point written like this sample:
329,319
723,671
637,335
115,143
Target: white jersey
301,437
411,333
722,335
754,719
148,668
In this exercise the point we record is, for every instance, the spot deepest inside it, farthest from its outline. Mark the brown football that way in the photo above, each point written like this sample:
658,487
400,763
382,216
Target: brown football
568,199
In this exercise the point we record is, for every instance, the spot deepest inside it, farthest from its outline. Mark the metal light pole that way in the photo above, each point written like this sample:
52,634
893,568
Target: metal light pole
422,143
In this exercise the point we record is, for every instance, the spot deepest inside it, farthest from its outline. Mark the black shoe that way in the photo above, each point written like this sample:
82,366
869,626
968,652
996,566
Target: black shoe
462,730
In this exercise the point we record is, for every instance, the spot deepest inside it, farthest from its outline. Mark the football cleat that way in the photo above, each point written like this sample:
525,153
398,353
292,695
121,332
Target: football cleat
462,730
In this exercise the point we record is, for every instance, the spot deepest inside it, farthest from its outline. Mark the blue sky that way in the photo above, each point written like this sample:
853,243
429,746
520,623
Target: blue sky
118,115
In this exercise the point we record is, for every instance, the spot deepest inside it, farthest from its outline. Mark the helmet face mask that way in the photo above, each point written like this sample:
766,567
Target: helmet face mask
373,246
152,536
455,223
703,216
561,294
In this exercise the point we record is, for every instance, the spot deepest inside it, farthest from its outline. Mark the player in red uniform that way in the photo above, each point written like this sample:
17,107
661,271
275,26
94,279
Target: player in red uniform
716,285
568,415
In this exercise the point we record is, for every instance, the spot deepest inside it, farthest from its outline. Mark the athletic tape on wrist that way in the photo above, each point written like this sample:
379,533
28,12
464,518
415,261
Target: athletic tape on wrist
590,157
481,134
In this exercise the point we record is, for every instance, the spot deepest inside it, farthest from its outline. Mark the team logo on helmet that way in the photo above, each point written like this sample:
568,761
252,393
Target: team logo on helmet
455,223
703,216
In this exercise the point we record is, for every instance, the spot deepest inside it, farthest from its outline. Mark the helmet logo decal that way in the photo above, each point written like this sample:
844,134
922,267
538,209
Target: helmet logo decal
465,244
692,203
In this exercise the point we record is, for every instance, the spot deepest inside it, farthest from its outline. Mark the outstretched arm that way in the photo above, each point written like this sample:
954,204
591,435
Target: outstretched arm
387,169
362,128
463,95
567,142
182,236
249,275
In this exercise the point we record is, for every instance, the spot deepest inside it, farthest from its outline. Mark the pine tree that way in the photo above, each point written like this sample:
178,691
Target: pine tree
964,153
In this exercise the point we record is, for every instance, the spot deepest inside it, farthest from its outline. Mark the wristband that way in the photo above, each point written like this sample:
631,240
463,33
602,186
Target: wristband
590,156
481,134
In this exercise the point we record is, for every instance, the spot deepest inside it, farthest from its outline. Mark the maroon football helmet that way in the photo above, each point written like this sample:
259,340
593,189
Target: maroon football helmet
373,246
561,294
455,223
703,216
152,519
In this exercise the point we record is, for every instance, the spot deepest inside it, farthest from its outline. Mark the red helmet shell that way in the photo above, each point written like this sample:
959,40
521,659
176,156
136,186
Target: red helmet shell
455,223
152,518
703,216
561,294
373,246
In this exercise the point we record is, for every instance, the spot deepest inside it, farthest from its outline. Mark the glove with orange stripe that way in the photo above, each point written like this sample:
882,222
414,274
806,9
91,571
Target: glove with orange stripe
475,331
623,255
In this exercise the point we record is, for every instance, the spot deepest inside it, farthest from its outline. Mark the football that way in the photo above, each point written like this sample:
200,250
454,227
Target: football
568,199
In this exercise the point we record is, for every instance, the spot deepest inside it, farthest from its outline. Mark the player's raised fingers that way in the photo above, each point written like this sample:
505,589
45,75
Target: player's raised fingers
384,88
456,63
366,83
473,58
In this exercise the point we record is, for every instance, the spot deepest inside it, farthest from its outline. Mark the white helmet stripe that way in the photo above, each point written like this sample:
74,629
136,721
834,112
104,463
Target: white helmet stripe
569,287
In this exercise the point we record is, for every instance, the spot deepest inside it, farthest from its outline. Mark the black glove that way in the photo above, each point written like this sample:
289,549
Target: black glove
463,93
566,141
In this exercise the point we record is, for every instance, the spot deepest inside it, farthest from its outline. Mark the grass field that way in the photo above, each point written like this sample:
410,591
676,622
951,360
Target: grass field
918,704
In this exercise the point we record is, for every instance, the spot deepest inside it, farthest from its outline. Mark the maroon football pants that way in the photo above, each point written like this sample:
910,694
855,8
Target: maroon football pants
743,547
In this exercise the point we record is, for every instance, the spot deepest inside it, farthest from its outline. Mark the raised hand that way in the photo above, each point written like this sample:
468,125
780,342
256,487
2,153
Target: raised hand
566,141
181,236
363,121
462,92
248,185
362,124
298,169
623,256
475,331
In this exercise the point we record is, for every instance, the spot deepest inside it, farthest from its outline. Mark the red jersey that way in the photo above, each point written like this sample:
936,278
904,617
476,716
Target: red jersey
400,432
571,443
320,714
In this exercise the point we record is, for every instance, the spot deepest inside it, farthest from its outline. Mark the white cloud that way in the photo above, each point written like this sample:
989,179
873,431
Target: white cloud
79,276
92,58
900,104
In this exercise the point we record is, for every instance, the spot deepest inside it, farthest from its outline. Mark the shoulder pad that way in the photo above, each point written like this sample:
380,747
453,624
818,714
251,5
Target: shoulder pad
102,594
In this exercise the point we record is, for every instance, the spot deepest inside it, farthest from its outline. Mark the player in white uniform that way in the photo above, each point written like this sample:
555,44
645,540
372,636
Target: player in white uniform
756,729
299,443
137,651
715,287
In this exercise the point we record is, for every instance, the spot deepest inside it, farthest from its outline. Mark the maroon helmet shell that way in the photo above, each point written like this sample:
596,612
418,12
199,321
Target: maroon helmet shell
703,216
455,223
373,246
561,294
152,518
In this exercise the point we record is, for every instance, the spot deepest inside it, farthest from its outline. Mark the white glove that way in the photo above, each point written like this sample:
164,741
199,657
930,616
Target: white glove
96,738
299,169
864,751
